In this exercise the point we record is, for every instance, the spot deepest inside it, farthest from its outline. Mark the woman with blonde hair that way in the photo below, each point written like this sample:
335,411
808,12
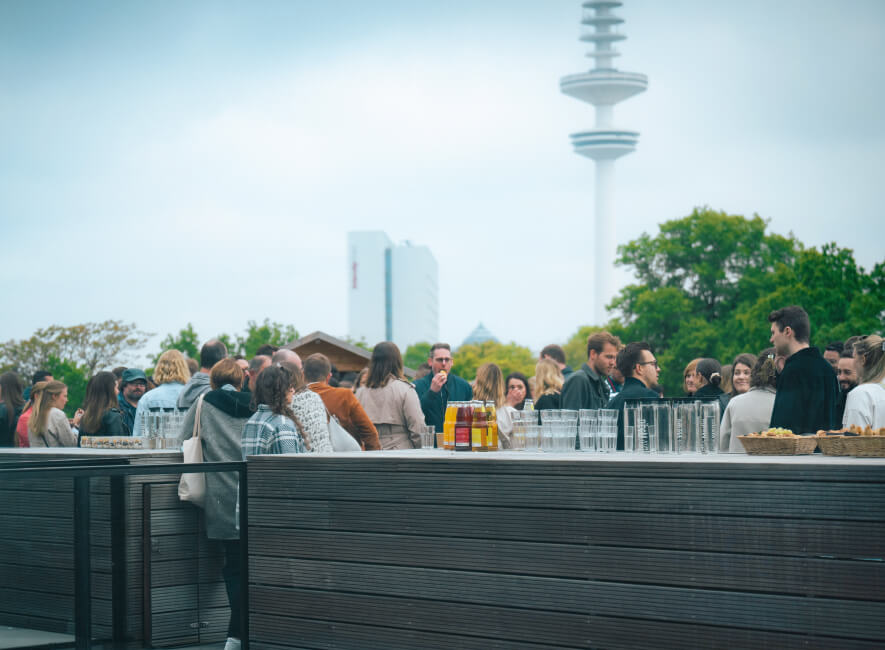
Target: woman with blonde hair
689,377
489,387
170,376
548,385
48,425
390,401
865,406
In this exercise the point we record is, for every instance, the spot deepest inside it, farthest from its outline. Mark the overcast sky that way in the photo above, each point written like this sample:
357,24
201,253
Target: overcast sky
164,162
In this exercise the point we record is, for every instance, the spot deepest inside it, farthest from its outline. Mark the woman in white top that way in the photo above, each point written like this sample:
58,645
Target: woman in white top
489,387
750,412
865,406
390,401
48,426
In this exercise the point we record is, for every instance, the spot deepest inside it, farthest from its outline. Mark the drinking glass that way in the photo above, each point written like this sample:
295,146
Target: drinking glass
607,430
709,427
587,426
428,433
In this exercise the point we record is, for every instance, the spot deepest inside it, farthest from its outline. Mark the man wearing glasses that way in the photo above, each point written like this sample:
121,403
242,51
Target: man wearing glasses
436,389
640,369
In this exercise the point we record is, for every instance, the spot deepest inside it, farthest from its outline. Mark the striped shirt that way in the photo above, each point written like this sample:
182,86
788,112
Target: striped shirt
269,433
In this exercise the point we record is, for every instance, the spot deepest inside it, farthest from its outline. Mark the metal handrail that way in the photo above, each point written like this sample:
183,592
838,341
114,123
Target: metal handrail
83,471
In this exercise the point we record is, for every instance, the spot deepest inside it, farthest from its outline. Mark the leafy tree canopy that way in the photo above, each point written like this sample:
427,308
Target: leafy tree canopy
707,282
189,342
90,346
416,354
510,357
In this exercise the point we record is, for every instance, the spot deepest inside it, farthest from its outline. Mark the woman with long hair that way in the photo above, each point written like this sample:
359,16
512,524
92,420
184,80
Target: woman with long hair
516,390
742,370
865,406
21,429
548,385
101,413
170,376
48,425
11,406
310,412
223,414
390,401
489,387
750,412
273,428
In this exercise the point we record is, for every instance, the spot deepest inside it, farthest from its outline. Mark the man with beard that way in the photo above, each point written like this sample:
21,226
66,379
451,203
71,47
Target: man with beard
847,375
133,384
807,389
586,388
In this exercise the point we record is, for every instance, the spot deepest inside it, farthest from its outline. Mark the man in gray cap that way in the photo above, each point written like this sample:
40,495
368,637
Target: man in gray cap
133,384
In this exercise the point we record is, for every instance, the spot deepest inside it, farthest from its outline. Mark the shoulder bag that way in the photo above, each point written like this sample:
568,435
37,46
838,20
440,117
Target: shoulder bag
192,487
341,440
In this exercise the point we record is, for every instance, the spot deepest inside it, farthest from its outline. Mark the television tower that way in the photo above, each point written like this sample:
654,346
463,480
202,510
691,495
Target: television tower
603,86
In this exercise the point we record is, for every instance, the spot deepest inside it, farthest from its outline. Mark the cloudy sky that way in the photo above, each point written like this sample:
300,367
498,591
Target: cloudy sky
164,162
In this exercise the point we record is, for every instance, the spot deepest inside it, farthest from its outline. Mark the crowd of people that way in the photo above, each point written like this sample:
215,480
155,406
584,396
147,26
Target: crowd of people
792,385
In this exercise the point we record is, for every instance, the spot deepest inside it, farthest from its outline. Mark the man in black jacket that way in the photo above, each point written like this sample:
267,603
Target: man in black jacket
807,389
586,388
438,388
640,369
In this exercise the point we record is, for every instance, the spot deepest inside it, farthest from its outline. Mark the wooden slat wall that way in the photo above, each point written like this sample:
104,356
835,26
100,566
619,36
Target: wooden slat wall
36,558
377,552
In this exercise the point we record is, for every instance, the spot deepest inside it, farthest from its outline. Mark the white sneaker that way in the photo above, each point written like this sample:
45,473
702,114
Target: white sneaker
232,644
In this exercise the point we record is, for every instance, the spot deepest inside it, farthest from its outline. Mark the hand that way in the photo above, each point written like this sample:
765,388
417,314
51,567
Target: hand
77,417
439,381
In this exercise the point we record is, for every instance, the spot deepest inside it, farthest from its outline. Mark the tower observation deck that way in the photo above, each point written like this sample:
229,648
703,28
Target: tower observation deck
603,87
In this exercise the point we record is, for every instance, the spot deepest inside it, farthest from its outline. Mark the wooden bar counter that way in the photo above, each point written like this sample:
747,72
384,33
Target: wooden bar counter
433,549
175,593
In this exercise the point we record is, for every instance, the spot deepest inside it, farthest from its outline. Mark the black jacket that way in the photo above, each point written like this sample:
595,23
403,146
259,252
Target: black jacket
807,394
584,389
548,401
633,389
7,428
112,424
709,390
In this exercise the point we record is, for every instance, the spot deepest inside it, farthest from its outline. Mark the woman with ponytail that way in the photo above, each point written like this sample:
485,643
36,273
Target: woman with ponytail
708,377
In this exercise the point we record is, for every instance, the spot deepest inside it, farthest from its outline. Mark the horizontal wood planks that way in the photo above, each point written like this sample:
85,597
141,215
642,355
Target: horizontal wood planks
365,552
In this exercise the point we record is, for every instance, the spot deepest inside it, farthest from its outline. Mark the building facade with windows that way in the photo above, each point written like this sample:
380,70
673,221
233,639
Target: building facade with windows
393,290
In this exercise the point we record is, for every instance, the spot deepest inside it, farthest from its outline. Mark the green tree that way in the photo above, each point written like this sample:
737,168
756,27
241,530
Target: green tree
416,354
91,346
75,378
707,282
510,357
186,341
267,332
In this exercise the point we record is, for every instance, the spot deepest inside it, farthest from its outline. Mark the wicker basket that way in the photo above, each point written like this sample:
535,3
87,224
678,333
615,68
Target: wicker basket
764,446
834,445
866,445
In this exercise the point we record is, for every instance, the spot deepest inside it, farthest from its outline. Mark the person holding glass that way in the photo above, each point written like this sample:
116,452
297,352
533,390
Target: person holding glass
390,401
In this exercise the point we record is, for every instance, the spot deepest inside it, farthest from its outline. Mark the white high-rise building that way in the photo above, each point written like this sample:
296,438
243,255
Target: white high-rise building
393,290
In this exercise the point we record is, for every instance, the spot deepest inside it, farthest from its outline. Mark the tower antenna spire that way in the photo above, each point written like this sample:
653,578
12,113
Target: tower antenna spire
603,87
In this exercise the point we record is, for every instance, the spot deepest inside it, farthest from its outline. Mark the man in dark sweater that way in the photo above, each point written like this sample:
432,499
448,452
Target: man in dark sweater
586,388
640,369
438,388
807,389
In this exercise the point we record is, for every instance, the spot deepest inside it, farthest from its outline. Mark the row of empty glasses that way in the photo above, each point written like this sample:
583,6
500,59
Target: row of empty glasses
162,427
659,427
562,430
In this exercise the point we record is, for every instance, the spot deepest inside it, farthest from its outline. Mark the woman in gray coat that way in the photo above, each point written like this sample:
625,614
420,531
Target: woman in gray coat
751,411
224,411
390,401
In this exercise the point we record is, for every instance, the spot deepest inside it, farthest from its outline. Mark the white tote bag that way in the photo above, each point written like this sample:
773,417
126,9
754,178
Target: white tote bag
192,487
341,440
